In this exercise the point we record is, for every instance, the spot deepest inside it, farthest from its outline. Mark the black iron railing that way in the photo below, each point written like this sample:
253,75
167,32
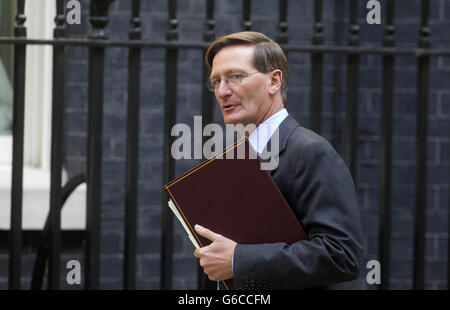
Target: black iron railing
15,238
97,41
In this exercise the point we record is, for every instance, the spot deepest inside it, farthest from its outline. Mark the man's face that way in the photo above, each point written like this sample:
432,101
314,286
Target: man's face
247,102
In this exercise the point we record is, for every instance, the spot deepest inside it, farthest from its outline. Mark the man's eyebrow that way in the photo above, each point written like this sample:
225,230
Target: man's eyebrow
232,70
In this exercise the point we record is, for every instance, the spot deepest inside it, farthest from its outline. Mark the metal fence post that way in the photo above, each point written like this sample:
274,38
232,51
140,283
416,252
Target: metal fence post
170,113
387,102
315,106
98,19
351,122
423,78
131,192
15,237
59,58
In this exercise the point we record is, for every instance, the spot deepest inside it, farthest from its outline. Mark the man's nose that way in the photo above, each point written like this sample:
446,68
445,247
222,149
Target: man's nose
223,90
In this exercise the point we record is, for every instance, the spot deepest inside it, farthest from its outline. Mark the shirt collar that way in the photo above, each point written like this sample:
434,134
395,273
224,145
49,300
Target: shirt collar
262,134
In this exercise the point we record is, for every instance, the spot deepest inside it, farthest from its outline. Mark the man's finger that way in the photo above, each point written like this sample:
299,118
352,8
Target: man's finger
197,253
204,232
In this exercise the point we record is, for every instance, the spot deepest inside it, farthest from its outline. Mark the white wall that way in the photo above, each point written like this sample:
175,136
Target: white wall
37,140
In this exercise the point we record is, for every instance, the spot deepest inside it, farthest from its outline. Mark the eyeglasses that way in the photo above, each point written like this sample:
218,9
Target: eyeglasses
230,80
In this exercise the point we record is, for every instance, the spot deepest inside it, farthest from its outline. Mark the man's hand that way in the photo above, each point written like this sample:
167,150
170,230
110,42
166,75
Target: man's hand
216,258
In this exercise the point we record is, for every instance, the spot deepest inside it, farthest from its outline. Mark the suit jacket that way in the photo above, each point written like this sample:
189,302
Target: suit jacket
319,188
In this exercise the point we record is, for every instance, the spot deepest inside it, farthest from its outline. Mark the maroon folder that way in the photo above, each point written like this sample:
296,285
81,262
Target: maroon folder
234,198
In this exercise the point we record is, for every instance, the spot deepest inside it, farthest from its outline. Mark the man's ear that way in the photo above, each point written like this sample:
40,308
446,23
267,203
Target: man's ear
276,77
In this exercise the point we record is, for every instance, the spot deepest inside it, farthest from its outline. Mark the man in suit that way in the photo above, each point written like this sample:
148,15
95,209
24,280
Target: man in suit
249,75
